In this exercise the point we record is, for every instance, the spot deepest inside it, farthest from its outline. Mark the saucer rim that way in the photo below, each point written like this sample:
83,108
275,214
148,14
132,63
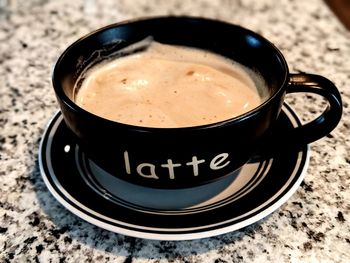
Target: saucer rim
174,236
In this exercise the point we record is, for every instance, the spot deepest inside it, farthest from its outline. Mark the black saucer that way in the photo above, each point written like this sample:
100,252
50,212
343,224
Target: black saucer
244,197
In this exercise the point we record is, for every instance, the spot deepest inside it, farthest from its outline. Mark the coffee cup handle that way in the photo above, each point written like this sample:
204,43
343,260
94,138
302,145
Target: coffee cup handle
329,118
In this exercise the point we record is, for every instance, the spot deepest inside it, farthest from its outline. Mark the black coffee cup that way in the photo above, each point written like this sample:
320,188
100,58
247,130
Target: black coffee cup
186,157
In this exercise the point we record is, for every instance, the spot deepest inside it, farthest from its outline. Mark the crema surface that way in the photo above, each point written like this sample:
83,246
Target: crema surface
168,86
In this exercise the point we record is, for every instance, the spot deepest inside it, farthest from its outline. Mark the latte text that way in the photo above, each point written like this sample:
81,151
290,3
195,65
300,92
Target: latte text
149,170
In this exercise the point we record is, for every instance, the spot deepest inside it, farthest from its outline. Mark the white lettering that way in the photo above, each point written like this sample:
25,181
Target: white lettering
152,170
170,165
127,162
217,160
148,170
195,163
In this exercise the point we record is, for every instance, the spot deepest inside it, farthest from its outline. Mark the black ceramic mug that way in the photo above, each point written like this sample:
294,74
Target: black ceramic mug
185,157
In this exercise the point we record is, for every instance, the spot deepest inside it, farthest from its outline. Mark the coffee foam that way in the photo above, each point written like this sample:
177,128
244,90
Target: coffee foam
168,86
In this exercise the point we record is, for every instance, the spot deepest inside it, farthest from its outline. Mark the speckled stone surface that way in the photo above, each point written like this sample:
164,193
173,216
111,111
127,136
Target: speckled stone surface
313,226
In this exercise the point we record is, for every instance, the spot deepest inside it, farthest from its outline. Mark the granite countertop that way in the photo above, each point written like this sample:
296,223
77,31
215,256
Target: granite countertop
312,226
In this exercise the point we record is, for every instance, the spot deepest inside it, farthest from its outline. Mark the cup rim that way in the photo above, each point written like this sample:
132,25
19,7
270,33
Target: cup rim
73,106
